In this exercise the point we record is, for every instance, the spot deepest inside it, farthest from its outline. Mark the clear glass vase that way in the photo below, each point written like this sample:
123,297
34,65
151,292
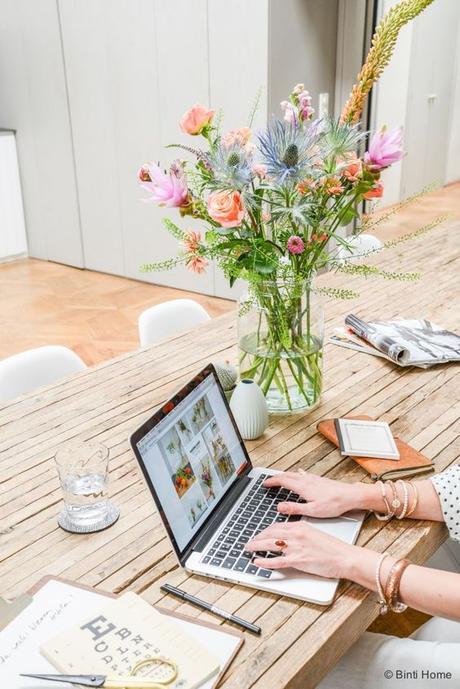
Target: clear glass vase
280,340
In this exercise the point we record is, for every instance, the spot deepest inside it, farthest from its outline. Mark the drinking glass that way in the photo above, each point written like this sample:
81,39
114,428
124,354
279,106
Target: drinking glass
83,473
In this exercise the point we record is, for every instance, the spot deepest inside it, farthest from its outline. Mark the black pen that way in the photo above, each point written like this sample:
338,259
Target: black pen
204,605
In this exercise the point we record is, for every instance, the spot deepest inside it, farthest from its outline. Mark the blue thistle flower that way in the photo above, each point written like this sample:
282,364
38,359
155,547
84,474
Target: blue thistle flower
288,150
231,166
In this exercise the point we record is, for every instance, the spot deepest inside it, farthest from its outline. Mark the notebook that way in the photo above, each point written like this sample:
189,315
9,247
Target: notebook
410,463
56,606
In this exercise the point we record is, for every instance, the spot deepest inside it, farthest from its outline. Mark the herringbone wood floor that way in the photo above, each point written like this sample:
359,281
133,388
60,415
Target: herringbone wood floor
92,313
96,314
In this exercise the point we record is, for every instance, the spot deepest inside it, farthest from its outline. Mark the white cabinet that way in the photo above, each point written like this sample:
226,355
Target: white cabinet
33,103
12,228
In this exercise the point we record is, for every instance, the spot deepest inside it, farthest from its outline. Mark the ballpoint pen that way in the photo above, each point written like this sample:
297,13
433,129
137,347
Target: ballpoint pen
204,605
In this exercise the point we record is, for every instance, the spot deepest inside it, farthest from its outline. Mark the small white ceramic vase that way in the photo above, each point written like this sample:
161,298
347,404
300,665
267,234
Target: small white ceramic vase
359,246
249,408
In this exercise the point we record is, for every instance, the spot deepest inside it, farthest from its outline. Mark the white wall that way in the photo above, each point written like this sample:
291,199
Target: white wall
303,39
453,146
12,227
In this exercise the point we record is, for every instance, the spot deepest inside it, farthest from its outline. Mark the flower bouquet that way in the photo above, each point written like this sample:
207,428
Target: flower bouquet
273,206
207,479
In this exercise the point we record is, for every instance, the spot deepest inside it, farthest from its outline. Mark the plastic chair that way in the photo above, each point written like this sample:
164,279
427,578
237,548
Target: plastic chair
28,370
164,320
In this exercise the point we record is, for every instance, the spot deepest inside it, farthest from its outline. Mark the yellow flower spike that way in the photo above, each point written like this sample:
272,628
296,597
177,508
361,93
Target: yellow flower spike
382,47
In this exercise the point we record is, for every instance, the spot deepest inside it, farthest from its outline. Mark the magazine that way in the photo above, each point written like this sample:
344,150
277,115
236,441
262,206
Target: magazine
406,342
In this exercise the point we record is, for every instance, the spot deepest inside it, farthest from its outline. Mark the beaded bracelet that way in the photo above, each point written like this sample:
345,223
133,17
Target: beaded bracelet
415,503
403,512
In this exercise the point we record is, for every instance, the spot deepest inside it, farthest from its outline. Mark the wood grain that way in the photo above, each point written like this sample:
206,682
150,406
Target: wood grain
300,641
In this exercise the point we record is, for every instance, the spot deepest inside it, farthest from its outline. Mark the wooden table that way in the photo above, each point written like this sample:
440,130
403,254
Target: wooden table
300,642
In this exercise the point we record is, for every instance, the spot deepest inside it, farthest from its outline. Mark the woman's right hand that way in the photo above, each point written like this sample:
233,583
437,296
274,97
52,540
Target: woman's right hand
324,497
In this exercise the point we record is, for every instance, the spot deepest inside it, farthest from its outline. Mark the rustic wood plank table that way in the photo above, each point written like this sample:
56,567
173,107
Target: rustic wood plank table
300,642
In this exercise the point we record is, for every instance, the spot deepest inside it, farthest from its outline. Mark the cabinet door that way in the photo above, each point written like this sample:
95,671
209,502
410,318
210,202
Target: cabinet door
134,67
33,102
429,100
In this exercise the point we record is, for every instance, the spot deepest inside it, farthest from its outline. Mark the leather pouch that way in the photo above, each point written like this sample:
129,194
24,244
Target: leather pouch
410,463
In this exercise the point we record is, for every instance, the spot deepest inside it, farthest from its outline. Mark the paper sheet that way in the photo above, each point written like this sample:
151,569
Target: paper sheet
56,607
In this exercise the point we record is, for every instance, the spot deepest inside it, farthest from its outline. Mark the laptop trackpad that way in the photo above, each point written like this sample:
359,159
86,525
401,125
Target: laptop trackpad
346,527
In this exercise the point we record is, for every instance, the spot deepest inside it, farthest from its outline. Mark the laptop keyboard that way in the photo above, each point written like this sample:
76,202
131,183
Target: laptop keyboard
255,513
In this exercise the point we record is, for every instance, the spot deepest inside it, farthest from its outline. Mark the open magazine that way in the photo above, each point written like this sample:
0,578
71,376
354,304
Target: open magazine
406,342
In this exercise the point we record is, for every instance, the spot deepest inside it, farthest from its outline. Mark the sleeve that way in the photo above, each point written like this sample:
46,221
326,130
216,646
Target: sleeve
447,486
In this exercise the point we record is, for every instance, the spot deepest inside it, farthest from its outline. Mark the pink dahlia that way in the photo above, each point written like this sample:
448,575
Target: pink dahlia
295,244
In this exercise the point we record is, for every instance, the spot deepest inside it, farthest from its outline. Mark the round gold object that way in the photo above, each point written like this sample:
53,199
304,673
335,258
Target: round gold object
162,670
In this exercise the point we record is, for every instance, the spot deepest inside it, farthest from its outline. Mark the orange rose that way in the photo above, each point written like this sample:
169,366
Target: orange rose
226,208
376,192
196,119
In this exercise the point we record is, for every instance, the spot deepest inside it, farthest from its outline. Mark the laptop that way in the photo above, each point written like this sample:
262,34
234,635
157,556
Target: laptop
211,499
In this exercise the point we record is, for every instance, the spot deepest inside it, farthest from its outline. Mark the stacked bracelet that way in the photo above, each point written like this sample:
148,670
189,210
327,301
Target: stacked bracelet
415,503
382,599
403,512
389,594
395,504
384,517
393,584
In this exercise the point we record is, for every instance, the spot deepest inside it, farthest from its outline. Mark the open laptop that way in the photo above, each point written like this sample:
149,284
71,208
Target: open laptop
212,500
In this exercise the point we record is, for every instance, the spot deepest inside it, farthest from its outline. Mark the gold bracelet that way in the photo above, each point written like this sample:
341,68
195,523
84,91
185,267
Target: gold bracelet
393,584
415,503
396,502
405,503
384,517
383,609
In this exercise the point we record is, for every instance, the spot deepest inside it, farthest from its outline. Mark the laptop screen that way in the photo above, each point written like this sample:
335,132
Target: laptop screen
192,456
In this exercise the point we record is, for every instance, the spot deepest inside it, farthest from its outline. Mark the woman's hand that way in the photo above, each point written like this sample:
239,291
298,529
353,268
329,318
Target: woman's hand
324,497
308,549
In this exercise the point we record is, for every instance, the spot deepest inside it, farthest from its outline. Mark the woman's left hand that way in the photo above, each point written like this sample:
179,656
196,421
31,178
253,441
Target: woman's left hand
307,549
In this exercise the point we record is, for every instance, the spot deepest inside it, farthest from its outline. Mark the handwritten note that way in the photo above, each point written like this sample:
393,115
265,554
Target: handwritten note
54,608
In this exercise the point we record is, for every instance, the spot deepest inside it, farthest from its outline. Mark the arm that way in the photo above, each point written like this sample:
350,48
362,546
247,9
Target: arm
428,506
429,590
328,498
313,551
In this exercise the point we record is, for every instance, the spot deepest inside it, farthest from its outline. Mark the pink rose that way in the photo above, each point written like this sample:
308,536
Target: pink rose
238,136
259,170
226,208
196,119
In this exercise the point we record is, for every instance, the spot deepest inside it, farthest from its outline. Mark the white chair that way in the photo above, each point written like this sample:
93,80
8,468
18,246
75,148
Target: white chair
28,370
164,320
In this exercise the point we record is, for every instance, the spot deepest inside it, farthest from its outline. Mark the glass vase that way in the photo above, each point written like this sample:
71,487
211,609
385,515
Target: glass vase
280,340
